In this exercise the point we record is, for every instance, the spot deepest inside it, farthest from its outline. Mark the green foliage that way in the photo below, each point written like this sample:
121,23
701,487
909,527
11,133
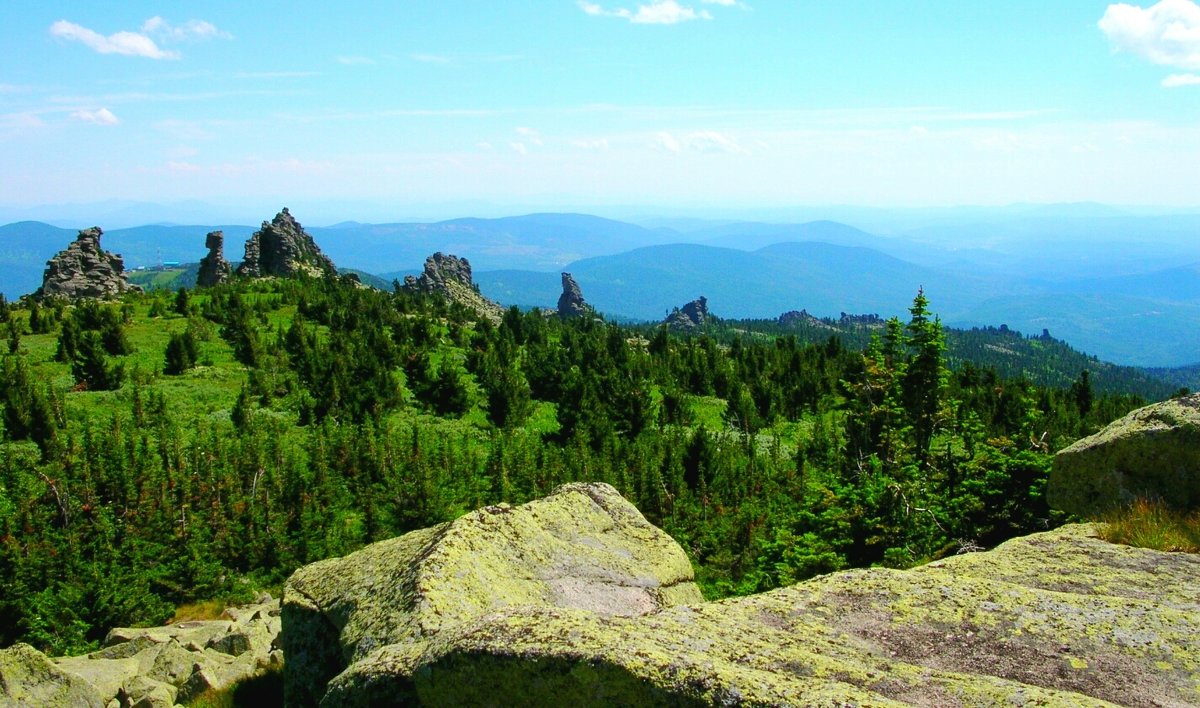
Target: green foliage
91,367
327,416
181,353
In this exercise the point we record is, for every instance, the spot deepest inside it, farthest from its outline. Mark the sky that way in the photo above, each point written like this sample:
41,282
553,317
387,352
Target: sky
571,103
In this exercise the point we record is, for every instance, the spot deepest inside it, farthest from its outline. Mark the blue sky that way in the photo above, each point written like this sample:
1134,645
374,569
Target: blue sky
668,103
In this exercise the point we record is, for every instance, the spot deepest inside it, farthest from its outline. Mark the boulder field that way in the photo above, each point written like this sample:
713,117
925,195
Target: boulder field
148,667
576,600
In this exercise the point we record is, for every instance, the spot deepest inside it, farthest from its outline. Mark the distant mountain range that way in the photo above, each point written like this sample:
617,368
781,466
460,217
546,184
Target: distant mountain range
1124,287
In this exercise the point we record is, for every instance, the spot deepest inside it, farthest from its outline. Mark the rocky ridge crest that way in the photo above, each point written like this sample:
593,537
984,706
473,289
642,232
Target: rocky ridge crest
84,270
450,277
283,248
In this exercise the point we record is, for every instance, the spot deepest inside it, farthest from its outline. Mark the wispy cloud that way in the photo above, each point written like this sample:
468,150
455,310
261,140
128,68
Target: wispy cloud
275,74
26,119
102,116
709,141
355,61
190,30
1177,80
593,144
530,135
1166,33
126,43
656,12
430,58
141,43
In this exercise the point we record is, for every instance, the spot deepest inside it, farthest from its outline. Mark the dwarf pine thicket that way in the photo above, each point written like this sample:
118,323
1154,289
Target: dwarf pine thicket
175,447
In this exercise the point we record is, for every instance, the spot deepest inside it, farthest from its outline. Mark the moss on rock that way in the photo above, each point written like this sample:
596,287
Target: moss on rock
582,547
1060,618
1152,453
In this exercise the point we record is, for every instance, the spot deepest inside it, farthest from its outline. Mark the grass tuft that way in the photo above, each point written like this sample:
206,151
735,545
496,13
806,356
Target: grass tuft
1148,524
203,610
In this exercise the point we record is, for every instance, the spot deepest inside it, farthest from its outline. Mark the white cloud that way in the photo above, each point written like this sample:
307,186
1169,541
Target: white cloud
355,60
20,120
102,116
1166,33
139,44
192,29
182,166
430,58
520,148
667,142
126,43
275,74
712,141
597,144
530,135
1177,80
656,12
699,141
485,145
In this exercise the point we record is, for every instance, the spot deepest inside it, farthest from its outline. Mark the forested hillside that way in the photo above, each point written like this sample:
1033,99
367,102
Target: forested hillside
203,444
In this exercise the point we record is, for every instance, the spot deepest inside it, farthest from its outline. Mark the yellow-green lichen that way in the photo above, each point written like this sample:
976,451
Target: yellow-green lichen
987,629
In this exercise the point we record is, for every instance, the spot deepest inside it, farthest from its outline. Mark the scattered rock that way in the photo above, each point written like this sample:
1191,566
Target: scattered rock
214,268
283,248
582,547
571,302
690,316
148,667
1152,453
84,270
1059,618
450,277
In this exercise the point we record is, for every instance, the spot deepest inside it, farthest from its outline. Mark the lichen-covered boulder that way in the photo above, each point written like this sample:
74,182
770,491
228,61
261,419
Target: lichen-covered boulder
1060,618
29,678
582,547
1154,453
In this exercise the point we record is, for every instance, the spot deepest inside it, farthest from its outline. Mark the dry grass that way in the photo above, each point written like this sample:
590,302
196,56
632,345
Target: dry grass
1147,524
203,610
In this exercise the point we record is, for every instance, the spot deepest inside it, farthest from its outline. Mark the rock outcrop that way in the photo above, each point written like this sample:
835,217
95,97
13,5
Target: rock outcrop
283,248
571,302
214,269
150,666
1060,618
450,277
690,316
1152,453
84,270
583,548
